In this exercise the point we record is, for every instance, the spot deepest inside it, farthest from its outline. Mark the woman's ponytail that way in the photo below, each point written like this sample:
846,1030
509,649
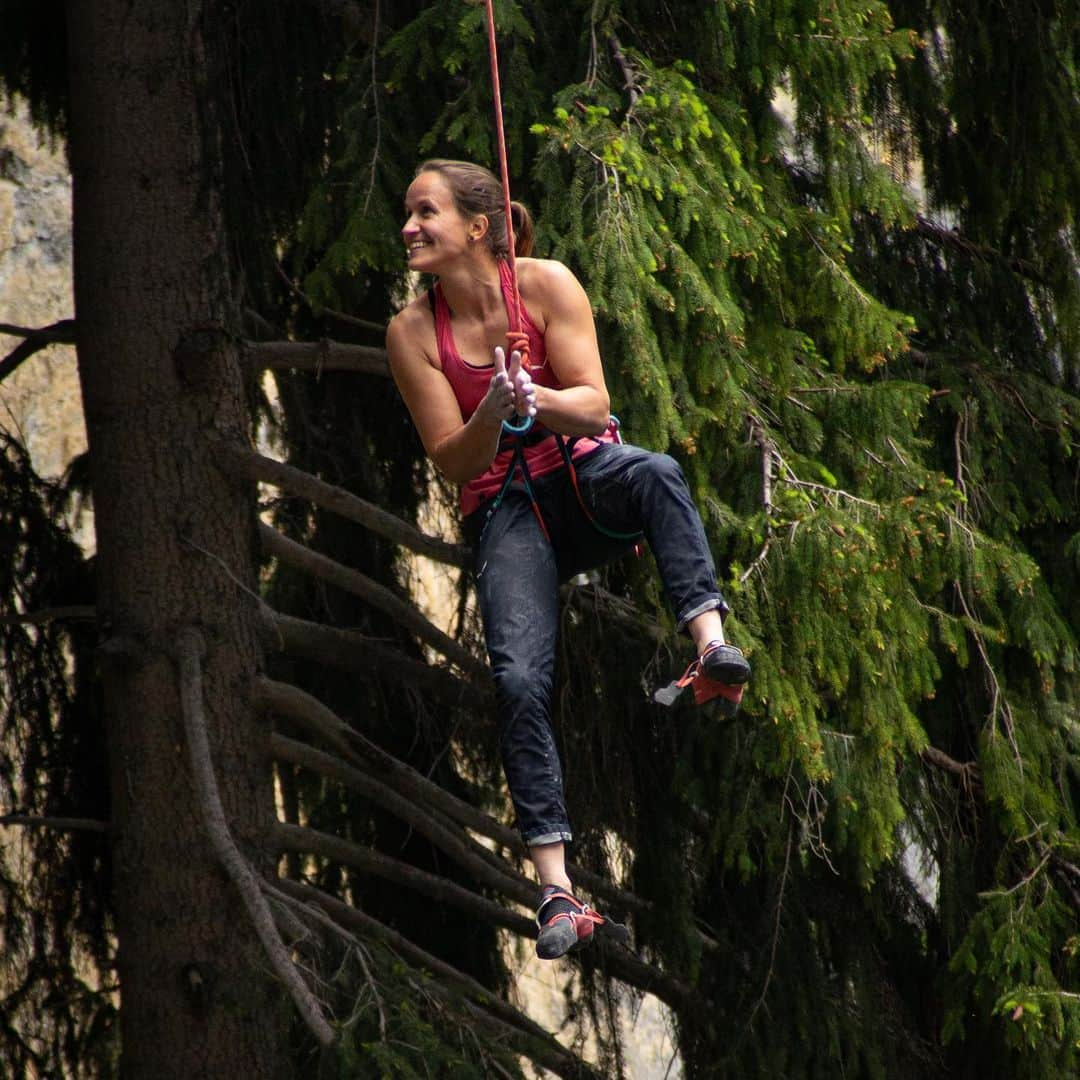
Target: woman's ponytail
523,229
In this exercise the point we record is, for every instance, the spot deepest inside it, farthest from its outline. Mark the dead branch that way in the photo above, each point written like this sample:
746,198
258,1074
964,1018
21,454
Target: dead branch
378,596
64,824
951,238
630,82
317,356
486,867
351,651
55,614
314,717
967,771
612,606
34,340
367,860
768,455
250,465
189,651
544,1049
620,962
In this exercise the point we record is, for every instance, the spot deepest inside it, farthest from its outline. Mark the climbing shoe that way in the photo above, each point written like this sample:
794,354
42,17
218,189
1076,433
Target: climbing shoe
566,924
723,670
725,664
719,674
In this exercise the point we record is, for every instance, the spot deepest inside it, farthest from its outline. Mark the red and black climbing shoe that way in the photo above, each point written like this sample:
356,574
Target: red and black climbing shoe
719,674
567,924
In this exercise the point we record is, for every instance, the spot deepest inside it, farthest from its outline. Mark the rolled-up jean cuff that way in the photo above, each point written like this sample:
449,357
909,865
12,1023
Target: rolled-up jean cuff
561,836
715,601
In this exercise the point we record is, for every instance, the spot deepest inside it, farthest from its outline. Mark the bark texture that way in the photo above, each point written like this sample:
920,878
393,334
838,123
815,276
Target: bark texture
162,385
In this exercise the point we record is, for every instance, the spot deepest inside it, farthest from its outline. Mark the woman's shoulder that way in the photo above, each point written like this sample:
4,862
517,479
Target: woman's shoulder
545,278
412,329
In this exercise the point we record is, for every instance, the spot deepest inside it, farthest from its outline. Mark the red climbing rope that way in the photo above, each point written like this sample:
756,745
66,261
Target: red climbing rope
516,337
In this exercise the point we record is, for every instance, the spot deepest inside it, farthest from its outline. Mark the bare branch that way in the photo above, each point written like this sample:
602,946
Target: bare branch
768,456
958,242
776,927
189,649
968,771
55,614
488,869
317,356
378,596
65,824
620,962
544,1049
367,860
630,82
253,466
351,651
314,717
59,333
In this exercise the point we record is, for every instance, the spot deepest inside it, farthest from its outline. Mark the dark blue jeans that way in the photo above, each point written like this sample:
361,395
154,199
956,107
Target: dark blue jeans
627,490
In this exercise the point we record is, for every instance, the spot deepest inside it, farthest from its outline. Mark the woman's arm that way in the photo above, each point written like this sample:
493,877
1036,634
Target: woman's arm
461,451
582,407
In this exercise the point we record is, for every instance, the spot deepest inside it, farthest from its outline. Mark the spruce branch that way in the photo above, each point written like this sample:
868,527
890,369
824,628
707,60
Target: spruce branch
378,596
537,1044
999,703
349,650
249,465
367,860
1068,874
307,712
189,651
1024,881
487,869
618,961
832,495
339,316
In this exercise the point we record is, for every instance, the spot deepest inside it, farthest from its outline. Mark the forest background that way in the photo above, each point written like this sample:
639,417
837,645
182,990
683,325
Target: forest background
832,252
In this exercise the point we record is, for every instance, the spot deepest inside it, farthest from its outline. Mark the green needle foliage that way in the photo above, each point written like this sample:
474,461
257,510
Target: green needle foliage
831,251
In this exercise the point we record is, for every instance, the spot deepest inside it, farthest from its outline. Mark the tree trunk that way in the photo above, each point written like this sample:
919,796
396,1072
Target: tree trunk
161,382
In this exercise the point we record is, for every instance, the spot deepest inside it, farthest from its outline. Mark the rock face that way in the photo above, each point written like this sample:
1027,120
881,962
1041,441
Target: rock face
40,403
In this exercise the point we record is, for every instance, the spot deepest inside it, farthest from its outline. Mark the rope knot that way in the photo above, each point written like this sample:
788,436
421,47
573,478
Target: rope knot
518,341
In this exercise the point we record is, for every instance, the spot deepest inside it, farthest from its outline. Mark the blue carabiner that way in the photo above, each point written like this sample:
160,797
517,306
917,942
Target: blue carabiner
519,428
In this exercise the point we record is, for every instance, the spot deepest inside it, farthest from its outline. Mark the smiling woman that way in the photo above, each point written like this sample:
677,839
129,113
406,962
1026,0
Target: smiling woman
556,494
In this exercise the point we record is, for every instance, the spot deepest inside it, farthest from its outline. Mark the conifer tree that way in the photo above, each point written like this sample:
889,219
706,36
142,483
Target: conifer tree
831,248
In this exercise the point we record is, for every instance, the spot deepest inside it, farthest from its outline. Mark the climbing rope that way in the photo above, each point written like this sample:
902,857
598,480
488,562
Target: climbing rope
517,339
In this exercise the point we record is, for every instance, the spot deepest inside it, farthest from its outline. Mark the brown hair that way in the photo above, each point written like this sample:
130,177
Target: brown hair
477,190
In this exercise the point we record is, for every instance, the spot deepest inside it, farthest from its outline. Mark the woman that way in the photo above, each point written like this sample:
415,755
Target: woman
520,507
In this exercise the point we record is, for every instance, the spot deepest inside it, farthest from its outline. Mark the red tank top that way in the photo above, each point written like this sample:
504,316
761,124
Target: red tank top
470,384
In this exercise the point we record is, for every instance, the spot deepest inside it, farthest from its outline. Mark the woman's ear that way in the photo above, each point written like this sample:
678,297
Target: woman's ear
478,228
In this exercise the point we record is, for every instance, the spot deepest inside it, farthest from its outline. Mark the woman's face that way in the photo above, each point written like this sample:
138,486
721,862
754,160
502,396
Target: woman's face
435,231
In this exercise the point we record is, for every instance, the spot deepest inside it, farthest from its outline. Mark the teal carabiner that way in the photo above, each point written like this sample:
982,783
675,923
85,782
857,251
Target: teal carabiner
519,428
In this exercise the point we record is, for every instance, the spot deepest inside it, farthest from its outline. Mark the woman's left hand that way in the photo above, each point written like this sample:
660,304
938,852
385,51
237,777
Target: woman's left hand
524,388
